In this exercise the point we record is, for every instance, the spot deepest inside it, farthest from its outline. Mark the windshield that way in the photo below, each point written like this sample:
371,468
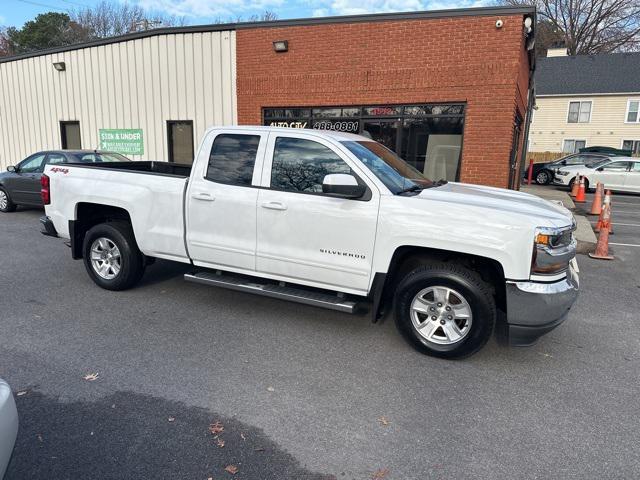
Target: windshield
599,163
396,174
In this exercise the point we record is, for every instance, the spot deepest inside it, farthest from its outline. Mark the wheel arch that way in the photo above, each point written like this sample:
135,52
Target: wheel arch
87,215
407,257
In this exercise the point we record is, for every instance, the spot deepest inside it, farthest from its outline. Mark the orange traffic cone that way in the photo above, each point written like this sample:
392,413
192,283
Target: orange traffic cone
596,206
574,187
607,203
602,248
580,197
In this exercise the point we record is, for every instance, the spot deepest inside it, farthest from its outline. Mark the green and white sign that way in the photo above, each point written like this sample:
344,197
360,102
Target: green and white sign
126,141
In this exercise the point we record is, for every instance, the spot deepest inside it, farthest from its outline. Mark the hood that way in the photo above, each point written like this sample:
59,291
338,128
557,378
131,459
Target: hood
541,212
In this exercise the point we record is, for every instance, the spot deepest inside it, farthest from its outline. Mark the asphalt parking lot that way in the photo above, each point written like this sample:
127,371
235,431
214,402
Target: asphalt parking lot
304,393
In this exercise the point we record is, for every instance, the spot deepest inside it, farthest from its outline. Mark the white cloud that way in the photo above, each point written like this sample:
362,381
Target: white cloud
346,7
229,10
210,8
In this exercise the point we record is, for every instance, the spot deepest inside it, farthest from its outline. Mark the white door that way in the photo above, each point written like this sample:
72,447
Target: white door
632,180
612,175
221,200
308,236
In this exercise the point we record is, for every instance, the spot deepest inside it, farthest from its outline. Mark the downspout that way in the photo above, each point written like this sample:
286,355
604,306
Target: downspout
531,100
525,143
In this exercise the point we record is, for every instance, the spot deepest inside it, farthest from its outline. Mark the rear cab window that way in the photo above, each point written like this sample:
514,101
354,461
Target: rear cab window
232,159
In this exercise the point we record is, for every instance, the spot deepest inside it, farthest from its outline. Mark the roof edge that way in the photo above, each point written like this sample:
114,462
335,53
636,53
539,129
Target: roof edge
600,94
371,17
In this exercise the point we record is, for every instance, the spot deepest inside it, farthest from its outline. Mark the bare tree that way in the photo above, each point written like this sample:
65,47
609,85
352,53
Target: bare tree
590,26
108,19
6,48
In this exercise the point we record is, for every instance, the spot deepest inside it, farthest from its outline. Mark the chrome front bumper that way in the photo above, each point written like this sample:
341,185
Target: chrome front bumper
536,308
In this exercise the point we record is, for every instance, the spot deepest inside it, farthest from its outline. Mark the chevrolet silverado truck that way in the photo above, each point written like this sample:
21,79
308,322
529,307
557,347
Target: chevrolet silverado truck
328,219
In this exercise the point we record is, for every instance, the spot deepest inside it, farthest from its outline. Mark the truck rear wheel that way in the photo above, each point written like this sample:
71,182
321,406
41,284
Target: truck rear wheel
445,310
111,256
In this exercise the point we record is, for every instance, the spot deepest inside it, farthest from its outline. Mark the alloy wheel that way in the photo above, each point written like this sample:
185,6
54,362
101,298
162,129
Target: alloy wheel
105,258
441,315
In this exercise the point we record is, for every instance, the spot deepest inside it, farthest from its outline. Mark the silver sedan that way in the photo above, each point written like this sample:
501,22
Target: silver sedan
8,425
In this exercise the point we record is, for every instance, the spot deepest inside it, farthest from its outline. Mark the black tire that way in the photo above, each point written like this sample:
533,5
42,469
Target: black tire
9,206
586,184
476,292
132,263
543,177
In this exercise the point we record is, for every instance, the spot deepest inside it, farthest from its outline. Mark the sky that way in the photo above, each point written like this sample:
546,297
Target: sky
17,12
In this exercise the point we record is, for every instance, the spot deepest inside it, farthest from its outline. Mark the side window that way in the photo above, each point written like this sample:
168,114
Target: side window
300,165
232,159
32,164
616,167
636,167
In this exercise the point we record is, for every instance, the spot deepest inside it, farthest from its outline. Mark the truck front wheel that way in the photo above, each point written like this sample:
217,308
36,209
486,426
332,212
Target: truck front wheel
445,310
111,256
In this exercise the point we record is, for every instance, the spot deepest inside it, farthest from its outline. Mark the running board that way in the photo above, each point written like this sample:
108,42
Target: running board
250,285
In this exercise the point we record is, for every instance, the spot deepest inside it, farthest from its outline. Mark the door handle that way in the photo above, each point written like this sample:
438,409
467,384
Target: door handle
203,196
274,206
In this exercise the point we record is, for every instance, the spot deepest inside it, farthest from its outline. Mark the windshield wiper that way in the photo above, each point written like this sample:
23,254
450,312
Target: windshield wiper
412,188
439,183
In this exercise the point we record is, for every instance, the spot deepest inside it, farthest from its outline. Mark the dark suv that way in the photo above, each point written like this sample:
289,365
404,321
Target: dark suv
20,185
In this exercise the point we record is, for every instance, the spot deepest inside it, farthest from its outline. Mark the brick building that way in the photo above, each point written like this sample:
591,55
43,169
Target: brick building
448,90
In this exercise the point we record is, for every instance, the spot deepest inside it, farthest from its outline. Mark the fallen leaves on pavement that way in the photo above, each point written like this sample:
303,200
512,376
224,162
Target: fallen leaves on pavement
220,442
380,473
90,377
216,427
21,393
271,389
232,469
172,419
384,421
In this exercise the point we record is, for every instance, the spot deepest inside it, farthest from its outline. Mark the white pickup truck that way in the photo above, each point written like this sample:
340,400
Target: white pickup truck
328,219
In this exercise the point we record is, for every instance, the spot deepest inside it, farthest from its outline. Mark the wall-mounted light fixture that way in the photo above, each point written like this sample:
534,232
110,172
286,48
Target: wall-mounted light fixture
60,66
281,46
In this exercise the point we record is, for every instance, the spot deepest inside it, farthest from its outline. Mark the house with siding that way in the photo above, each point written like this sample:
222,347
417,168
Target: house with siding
584,101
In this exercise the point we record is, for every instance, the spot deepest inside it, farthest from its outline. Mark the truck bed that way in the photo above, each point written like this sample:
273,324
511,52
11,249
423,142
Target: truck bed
151,193
160,168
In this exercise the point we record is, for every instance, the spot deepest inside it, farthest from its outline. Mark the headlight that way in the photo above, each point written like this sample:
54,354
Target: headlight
562,173
553,249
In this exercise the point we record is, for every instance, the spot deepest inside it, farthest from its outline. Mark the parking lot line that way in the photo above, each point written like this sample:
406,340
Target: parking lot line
624,244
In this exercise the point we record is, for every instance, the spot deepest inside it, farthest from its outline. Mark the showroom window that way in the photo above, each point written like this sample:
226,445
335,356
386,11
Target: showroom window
427,136
180,139
579,112
633,145
633,109
232,158
573,146
300,165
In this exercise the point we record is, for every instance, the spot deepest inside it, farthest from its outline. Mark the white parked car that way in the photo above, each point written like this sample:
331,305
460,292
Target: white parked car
327,219
616,173
8,425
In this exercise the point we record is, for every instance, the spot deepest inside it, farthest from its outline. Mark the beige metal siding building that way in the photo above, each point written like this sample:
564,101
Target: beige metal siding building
586,101
142,83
